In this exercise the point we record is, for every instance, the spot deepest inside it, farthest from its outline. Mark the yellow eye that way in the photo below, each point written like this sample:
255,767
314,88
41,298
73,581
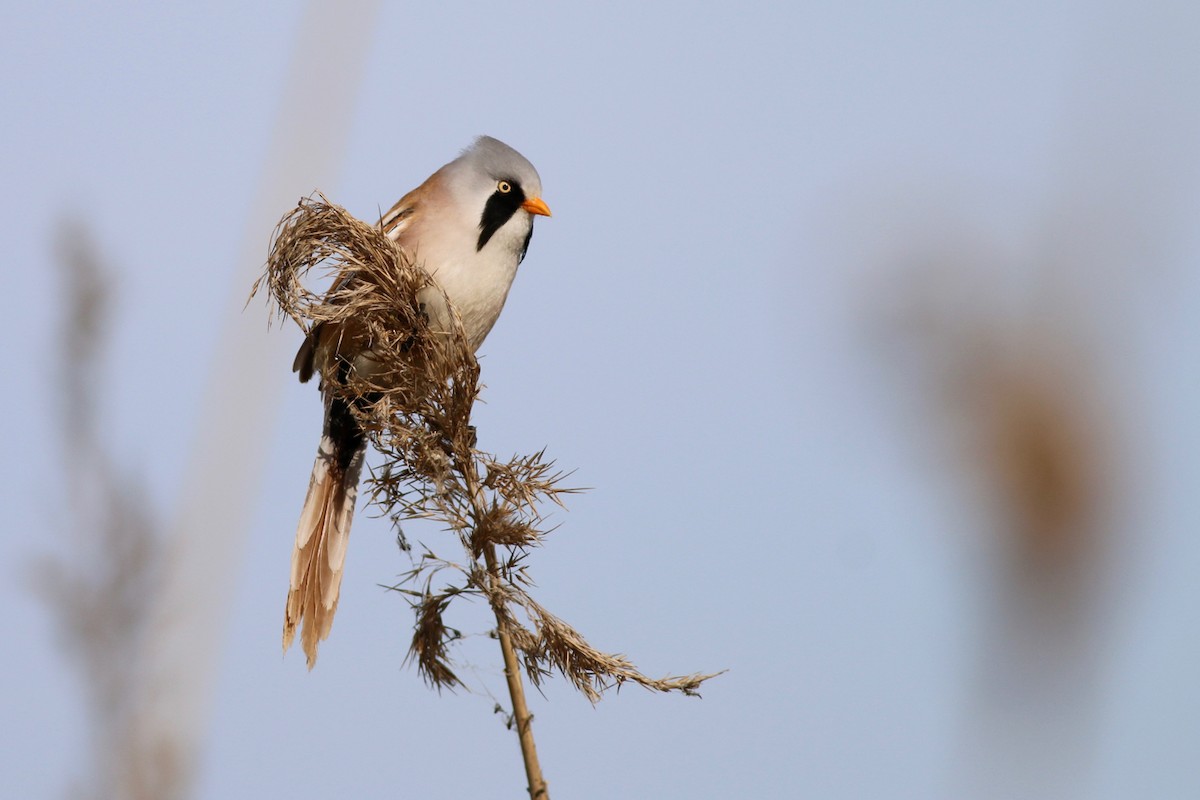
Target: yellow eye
504,187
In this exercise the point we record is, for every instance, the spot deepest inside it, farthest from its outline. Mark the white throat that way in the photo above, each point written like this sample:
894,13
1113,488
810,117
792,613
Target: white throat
476,281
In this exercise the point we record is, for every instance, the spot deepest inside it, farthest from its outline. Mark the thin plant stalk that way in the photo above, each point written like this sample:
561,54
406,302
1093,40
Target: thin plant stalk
522,719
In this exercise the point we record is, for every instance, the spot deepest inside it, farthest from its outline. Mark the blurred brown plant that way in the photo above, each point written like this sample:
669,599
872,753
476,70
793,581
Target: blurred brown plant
1022,404
1009,376
1039,445
416,410
97,585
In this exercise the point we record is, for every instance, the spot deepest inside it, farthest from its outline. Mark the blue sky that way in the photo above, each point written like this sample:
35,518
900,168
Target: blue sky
744,199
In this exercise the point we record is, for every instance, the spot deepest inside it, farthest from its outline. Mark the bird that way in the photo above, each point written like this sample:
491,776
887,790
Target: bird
468,226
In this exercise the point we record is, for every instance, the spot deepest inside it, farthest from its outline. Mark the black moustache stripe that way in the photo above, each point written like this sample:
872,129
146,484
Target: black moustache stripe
498,210
525,246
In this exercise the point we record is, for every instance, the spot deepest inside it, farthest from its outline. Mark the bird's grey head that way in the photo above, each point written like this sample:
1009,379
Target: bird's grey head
504,188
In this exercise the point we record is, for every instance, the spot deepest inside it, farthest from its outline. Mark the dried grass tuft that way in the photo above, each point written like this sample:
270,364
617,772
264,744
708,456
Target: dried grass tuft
418,417
431,641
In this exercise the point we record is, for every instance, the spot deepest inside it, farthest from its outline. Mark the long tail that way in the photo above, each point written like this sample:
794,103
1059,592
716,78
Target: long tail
324,530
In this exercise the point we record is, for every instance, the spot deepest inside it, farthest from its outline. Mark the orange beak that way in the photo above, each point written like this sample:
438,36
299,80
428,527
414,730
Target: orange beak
534,205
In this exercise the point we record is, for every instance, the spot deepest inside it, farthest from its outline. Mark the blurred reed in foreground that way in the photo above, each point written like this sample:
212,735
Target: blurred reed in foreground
98,584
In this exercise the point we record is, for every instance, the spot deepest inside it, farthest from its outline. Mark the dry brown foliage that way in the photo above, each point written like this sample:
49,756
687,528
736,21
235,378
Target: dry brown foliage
419,419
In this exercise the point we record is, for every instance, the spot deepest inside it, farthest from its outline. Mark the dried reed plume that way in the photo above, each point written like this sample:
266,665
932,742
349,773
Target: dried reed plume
416,412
